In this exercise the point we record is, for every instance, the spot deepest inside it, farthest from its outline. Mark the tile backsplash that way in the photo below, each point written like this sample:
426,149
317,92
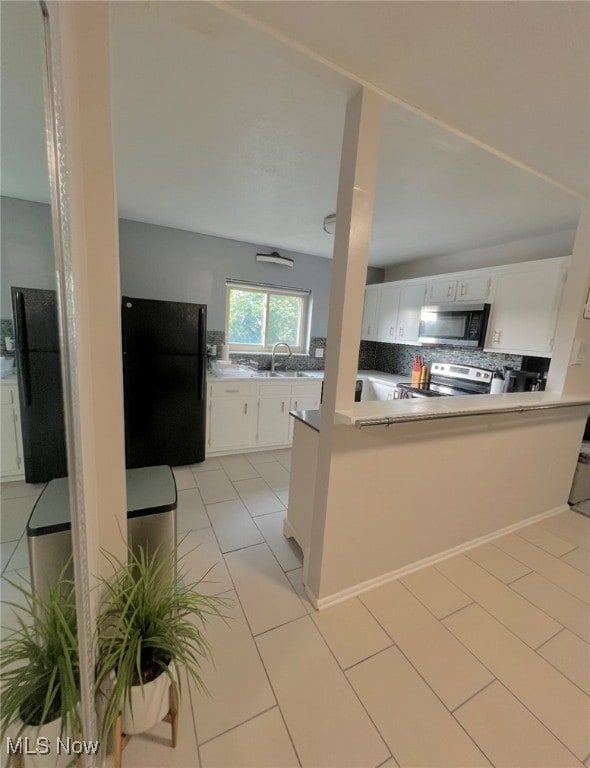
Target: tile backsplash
375,355
398,358
6,329
296,362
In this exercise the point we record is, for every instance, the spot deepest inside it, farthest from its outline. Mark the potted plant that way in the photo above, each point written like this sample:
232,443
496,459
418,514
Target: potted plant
39,674
150,625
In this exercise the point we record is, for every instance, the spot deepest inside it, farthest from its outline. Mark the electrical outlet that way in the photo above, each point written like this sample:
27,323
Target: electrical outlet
319,352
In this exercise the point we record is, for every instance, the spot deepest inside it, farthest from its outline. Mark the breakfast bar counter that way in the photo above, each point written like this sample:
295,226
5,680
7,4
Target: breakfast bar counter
385,413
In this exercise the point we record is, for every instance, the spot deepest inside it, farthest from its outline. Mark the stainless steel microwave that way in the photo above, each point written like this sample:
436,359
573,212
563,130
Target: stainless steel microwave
455,325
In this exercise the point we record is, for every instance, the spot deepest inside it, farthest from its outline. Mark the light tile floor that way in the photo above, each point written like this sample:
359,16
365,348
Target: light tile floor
483,659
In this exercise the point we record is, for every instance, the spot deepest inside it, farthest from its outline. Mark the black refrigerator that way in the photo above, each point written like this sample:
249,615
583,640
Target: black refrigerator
164,367
39,383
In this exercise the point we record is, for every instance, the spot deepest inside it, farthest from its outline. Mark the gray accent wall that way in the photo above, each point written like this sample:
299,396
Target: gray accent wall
161,263
26,248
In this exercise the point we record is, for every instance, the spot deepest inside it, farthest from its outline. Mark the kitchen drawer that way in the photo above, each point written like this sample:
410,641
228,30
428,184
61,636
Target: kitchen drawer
7,395
309,388
233,389
275,390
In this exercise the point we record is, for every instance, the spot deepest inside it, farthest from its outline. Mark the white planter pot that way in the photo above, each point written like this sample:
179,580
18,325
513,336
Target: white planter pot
44,738
149,704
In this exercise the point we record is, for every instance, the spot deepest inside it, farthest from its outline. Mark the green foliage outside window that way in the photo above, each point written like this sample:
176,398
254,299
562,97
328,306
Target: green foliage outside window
247,311
259,318
284,313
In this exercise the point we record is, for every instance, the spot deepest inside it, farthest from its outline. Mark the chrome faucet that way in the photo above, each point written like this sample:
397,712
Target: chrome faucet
274,349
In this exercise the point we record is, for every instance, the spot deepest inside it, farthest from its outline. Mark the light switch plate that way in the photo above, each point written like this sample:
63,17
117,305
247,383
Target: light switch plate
579,351
319,352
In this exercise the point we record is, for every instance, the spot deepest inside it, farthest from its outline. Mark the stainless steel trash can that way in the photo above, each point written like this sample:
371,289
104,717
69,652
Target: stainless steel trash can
151,522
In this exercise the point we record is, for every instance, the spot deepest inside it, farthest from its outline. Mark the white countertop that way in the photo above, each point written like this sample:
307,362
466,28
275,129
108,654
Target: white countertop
421,409
242,373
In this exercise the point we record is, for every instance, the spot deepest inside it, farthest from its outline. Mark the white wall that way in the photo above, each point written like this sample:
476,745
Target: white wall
160,263
403,493
529,249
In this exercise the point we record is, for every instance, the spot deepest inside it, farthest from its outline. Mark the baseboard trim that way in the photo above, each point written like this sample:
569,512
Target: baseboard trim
365,586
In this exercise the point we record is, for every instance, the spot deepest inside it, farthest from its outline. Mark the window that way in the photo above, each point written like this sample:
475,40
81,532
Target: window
259,316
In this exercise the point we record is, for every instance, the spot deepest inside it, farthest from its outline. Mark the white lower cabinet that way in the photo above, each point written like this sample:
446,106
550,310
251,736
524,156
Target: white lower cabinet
247,415
231,423
232,415
305,397
273,414
383,391
11,447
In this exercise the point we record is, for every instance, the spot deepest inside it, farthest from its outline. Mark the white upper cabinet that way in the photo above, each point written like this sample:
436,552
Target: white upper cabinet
408,317
464,288
474,288
369,327
524,301
524,311
387,312
440,291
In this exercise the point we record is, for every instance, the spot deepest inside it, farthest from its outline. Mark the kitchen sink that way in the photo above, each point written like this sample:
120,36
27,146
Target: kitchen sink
270,374
301,374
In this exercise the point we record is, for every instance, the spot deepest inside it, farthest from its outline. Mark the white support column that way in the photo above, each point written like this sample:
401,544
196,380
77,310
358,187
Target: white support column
569,372
354,220
86,242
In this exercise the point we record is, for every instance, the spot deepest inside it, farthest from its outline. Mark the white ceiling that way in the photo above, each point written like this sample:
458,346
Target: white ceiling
515,75
221,129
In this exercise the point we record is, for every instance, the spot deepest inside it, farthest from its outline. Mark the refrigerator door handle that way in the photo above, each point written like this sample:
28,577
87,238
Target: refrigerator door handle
202,353
22,356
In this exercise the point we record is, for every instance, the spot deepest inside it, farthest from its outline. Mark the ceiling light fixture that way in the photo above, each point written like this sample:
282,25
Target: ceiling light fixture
330,224
275,258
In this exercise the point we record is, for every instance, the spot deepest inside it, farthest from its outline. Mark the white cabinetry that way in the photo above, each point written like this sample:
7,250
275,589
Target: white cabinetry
473,288
232,413
383,391
369,327
11,447
304,397
273,415
245,415
440,291
408,317
524,309
387,312
463,288
392,312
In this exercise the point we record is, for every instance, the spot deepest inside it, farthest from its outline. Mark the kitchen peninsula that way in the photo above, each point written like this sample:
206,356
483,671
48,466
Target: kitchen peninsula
430,487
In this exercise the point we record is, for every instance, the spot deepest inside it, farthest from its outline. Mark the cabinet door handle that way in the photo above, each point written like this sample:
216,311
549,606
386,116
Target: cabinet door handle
369,331
295,405
401,332
231,390
283,407
463,289
245,408
449,291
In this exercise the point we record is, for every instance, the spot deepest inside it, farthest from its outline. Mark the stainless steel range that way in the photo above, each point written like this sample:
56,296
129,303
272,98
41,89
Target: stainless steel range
450,379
